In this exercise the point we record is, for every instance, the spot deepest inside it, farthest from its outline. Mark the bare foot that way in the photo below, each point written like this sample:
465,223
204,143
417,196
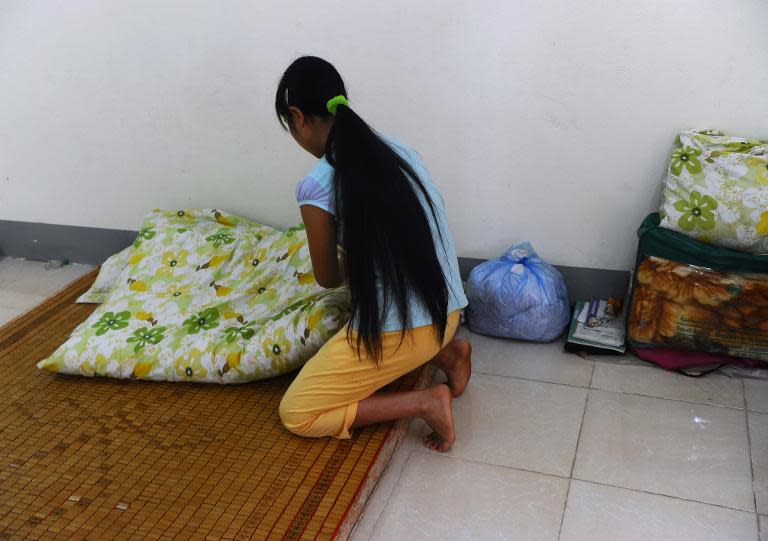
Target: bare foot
439,415
455,359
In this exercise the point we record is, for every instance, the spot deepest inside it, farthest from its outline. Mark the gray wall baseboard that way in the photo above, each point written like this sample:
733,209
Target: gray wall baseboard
46,242
91,245
583,283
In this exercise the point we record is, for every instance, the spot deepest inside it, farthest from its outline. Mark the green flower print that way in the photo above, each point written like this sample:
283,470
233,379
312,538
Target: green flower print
145,336
221,236
112,322
292,230
685,156
146,233
207,320
302,305
245,331
697,213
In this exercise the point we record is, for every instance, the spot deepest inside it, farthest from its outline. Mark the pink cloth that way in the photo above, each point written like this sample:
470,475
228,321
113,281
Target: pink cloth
676,359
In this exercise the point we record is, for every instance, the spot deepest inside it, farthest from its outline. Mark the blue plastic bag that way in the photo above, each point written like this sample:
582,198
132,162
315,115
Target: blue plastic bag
518,296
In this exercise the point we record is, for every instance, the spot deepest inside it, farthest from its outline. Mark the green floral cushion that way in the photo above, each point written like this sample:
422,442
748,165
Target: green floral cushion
203,295
716,190
109,274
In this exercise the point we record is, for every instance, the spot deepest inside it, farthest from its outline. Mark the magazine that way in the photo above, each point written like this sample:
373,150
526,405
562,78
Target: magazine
600,325
597,322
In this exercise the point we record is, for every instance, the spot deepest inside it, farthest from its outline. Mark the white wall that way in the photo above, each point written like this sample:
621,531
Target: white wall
542,120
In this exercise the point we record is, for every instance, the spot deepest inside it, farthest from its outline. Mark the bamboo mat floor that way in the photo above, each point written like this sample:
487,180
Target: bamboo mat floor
98,458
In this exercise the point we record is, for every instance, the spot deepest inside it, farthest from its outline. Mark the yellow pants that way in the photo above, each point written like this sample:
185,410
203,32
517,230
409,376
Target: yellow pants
322,400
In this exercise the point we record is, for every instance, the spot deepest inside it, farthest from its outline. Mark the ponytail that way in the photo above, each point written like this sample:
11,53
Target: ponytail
383,225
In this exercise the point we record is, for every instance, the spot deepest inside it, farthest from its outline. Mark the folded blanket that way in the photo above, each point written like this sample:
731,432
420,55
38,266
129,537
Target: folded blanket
203,295
680,306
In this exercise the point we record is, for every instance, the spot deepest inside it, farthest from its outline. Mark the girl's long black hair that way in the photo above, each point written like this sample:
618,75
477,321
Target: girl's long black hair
382,224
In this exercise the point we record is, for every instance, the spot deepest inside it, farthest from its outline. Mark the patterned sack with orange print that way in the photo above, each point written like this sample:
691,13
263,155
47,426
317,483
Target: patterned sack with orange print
694,308
688,295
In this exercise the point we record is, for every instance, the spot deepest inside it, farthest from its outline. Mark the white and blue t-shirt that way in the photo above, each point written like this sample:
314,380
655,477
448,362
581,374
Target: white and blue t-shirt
317,189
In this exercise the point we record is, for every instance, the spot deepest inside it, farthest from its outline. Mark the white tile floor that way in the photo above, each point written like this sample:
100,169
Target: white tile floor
553,446
24,284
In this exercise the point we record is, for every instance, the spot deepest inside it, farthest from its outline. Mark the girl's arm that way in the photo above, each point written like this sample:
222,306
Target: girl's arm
321,233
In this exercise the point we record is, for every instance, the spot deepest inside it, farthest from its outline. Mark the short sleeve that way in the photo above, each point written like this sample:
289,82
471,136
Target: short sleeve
310,192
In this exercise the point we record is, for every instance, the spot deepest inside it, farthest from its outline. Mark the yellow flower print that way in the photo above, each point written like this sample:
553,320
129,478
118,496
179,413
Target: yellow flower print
276,347
172,260
762,225
224,220
191,366
176,290
86,369
262,295
143,316
137,285
760,167
99,367
314,319
305,278
186,214
221,290
143,368
252,260
233,359
136,259
295,248
101,364
214,262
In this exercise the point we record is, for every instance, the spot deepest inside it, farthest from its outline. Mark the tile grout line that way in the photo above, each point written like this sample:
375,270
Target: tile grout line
610,391
581,429
749,456
667,496
516,468
427,452
575,453
565,506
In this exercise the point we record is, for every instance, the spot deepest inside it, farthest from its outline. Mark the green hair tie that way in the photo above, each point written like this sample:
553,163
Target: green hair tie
334,103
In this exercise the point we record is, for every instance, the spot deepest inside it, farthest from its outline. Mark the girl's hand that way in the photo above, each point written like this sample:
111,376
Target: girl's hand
321,234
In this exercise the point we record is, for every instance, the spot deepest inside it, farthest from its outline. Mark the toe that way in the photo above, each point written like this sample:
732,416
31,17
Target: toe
432,441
